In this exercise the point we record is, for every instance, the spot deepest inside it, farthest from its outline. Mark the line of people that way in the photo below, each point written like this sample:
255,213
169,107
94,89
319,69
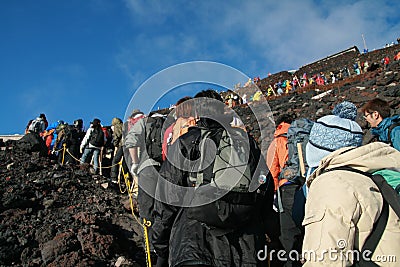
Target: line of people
334,200
206,188
182,236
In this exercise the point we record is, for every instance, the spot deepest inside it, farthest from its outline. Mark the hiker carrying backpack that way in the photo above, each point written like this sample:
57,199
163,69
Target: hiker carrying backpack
37,126
92,142
154,130
231,173
97,137
297,139
353,209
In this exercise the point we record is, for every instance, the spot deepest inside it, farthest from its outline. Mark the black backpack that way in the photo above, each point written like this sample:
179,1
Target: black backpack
154,131
97,137
71,135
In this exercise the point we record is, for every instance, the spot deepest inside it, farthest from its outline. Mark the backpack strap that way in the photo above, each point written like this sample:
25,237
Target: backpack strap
390,197
388,193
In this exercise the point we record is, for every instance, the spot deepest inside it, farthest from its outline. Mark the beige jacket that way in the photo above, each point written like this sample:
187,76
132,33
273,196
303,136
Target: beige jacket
342,207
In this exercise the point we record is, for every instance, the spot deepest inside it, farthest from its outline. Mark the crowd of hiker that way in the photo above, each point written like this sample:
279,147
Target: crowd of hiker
208,196
286,86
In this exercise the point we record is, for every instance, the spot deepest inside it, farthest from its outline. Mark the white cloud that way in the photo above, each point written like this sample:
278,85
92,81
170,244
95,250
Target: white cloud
259,36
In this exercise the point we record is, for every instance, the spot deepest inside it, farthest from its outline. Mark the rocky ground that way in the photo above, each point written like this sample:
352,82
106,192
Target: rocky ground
54,215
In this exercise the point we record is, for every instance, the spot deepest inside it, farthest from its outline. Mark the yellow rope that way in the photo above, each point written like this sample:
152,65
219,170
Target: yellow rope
146,240
145,223
128,189
91,164
63,154
58,150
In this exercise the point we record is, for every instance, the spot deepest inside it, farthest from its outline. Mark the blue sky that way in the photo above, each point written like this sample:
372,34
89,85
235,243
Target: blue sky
85,59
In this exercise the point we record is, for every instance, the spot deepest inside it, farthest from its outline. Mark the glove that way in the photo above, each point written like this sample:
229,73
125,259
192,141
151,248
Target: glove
53,151
134,168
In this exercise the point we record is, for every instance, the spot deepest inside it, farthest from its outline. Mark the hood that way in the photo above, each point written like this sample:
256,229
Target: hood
368,158
281,129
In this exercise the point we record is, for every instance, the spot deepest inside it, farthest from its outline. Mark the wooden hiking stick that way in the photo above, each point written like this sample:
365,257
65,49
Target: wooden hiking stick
301,160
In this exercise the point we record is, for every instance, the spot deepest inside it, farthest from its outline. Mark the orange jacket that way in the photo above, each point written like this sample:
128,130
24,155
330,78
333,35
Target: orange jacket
277,153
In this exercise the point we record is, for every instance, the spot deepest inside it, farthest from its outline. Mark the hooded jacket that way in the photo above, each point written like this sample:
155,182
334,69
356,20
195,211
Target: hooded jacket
382,131
186,241
277,154
117,132
342,207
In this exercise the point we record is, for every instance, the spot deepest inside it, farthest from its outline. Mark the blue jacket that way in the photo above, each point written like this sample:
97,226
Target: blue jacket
382,131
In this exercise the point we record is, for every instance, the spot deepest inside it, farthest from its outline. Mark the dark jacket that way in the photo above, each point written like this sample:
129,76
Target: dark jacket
185,240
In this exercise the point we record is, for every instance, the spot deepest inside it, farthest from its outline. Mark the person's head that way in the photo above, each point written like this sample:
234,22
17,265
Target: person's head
95,123
42,116
78,123
209,103
184,108
135,113
116,121
375,111
287,118
332,132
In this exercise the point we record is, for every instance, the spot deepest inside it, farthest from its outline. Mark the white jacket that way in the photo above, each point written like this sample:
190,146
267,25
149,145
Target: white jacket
342,207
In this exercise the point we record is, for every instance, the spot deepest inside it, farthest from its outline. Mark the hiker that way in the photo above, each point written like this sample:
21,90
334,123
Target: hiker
277,153
184,115
43,116
27,127
384,127
69,136
93,142
144,164
342,207
117,126
60,140
50,135
386,61
328,136
291,178
75,136
196,235
135,116
38,125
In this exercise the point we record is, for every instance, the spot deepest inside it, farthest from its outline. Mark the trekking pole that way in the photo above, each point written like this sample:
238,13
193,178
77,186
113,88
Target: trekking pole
146,224
301,160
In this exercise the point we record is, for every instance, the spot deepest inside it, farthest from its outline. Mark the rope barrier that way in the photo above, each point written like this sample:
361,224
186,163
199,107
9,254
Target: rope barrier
129,189
63,154
146,240
103,167
145,223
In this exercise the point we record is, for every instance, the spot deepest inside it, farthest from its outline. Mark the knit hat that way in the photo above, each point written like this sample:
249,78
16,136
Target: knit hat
332,132
345,110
